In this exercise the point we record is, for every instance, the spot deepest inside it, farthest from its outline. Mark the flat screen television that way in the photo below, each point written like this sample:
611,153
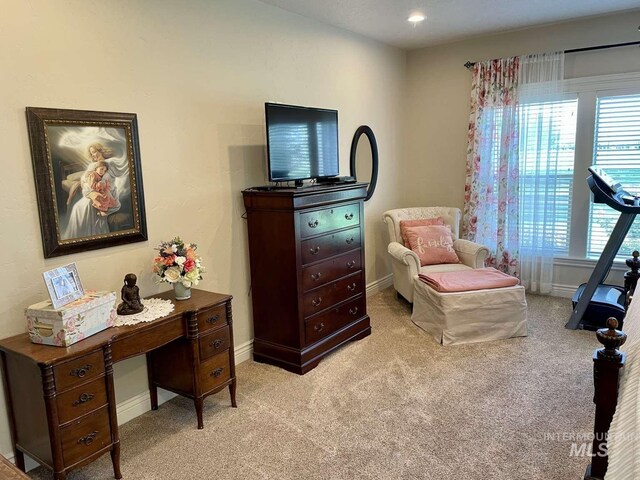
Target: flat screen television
302,142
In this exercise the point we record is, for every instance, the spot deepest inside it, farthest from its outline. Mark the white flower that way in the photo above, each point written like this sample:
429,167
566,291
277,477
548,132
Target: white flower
186,283
174,248
172,274
180,260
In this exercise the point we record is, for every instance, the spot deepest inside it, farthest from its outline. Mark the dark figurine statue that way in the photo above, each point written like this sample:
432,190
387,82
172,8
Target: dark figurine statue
130,296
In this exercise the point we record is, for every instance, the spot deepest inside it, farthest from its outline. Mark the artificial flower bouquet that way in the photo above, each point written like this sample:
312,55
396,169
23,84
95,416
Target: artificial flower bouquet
178,262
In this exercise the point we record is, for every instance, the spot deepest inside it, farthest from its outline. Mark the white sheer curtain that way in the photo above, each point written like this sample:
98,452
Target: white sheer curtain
540,81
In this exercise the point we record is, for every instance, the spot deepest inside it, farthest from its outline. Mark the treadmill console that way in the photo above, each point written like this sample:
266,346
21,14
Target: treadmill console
607,190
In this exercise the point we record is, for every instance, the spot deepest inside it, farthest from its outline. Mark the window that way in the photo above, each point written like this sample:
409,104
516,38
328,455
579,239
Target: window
546,162
617,150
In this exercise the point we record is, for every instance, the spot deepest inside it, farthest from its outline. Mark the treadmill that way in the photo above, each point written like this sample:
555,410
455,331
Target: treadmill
594,301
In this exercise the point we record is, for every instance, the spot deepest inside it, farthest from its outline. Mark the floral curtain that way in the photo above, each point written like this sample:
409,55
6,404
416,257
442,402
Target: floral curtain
491,188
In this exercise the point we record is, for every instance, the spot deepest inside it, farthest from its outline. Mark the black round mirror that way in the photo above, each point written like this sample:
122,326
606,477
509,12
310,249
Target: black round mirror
364,160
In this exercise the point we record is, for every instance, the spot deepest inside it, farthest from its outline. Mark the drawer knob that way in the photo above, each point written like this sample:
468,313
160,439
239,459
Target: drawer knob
348,216
217,372
349,241
314,250
318,327
84,398
353,310
216,343
351,264
316,276
313,224
88,439
351,287
316,301
213,319
80,372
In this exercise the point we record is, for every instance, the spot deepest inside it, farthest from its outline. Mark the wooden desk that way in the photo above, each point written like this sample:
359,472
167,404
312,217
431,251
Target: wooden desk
61,401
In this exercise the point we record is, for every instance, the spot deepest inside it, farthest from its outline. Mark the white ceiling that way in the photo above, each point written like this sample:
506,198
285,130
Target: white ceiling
447,20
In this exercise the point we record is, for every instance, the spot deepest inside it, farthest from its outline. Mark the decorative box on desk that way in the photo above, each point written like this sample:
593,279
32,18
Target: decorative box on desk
307,272
76,321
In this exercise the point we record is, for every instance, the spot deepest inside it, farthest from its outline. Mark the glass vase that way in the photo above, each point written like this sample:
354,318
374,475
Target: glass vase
181,292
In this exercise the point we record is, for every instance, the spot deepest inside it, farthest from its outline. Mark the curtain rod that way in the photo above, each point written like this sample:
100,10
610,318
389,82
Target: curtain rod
585,49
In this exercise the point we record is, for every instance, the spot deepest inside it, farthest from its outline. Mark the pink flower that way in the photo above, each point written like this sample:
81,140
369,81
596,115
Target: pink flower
168,261
189,265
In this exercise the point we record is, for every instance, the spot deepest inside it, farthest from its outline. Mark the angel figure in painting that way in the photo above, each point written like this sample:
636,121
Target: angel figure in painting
88,216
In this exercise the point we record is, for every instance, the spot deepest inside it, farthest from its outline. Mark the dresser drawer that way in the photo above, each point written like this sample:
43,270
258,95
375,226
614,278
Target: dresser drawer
80,400
321,221
330,294
213,317
85,437
77,371
321,325
214,342
215,371
330,270
319,248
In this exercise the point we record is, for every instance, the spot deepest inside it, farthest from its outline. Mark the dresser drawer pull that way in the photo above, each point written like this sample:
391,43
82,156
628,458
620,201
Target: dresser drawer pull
315,250
318,327
348,216
316,301
84,398
217,372
351,264
213,319
216,343
353,310
88,439
351,287
313,224
349,241
80,372
316,276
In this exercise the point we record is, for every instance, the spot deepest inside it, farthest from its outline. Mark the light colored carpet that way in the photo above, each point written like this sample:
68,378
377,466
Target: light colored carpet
395,405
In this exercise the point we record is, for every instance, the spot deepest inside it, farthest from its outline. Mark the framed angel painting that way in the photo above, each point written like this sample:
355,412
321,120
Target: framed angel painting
88,179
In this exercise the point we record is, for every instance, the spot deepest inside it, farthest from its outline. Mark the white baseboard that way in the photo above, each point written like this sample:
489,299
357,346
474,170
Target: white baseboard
564,291
379,285
243,352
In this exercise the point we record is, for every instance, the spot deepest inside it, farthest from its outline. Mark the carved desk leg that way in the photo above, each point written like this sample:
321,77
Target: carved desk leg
232,360
192,336
607,363
51,406
153,389
111,396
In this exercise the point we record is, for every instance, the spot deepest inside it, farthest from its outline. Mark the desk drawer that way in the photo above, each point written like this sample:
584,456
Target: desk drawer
331,270
321,221
214,342
213,317
326,246
80,400
85,437
318,327
215,371
328,295
77,371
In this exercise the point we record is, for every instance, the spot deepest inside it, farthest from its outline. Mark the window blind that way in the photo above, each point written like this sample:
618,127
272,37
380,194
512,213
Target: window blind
546,159
617,151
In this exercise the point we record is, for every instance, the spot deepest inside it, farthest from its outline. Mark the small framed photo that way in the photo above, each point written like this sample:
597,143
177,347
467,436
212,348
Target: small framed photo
63,284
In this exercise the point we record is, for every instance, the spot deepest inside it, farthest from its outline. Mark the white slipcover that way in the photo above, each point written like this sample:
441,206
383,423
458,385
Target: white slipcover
405,264
468,317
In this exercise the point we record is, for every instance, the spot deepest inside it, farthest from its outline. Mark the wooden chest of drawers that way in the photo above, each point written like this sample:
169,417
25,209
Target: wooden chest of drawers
61,401
307,272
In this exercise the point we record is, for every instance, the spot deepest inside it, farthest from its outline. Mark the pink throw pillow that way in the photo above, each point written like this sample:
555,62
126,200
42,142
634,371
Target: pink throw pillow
423,222
433,244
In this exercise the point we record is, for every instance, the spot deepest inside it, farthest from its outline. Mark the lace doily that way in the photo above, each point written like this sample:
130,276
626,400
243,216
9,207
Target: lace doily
153,308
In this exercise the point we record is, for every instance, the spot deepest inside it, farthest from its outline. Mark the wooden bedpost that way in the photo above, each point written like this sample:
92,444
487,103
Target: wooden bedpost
607,365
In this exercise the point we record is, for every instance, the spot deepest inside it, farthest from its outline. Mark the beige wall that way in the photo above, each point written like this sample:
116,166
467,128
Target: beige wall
197,74
437,108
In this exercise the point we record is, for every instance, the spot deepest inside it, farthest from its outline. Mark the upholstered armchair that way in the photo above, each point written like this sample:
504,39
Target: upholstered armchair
406,264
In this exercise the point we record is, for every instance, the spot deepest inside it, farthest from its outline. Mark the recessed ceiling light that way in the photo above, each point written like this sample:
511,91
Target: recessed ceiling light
416,18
